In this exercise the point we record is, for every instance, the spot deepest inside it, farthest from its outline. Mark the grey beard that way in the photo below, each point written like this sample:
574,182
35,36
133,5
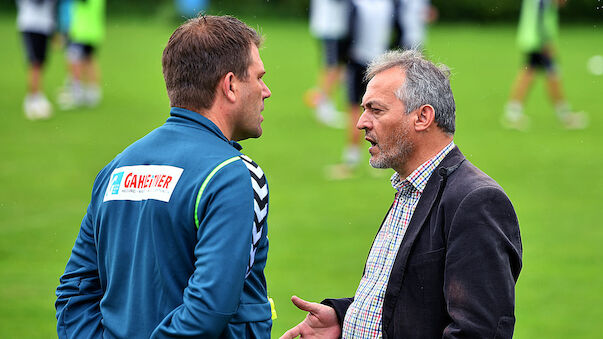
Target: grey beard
395,160
378,163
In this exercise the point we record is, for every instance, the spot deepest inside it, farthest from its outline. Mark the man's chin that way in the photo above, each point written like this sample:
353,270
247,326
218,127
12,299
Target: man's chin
256,134
250,135
377,163
381,160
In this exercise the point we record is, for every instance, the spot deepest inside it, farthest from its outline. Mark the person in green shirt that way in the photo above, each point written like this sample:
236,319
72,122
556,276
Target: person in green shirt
537,33
86,33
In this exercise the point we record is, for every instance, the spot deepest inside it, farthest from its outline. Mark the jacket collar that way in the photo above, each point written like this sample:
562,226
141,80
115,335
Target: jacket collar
419,177
179,114
450,163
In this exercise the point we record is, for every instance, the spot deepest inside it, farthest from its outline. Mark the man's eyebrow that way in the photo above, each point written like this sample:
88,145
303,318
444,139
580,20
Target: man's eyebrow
371,103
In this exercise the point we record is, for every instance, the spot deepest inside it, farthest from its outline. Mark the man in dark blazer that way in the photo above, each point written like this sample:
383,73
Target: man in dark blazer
448,254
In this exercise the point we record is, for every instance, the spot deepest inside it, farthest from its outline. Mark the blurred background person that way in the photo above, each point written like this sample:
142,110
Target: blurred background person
537,32
375,26
86,33
64,19
412,17
36,22
329,24
371,29
190,8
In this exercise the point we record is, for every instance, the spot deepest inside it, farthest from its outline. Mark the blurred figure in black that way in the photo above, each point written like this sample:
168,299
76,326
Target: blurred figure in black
374,27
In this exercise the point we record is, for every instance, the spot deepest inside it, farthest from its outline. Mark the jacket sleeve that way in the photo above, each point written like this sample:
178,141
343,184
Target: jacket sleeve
225,214
340,306
79,292
482,264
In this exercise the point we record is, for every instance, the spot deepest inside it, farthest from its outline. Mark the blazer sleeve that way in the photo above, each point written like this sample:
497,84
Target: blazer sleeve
482,264
222,252
340,306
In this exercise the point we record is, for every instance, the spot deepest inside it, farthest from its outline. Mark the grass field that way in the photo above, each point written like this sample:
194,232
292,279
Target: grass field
320,231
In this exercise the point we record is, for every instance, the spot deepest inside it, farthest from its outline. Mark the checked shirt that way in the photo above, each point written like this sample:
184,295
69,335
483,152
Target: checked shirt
363,317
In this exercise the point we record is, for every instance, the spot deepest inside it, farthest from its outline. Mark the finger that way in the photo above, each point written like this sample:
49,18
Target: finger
305,305
292,333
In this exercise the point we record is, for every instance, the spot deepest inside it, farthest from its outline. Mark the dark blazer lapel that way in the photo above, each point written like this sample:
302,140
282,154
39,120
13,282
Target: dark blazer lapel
424,206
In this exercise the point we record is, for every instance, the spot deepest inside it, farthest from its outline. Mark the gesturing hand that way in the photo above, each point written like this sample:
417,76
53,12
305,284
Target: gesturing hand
320,323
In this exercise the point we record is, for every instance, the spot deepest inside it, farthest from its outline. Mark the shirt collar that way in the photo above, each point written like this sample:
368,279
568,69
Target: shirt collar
184,113
418,178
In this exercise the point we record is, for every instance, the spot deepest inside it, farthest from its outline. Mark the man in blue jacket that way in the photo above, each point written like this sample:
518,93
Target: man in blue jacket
174,243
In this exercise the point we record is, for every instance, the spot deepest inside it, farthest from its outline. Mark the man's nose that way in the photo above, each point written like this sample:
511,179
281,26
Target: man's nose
267,92
362,121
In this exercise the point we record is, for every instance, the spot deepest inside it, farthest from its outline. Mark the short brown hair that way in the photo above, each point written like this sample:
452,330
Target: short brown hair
200,52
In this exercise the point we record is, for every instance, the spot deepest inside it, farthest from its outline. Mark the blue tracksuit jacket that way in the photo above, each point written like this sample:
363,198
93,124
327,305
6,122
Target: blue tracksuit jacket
173,244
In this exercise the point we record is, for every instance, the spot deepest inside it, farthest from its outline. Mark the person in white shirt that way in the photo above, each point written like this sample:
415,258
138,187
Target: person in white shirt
370,34
36,22
329,24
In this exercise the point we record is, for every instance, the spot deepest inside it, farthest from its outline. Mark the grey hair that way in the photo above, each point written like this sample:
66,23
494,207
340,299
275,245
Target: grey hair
425,84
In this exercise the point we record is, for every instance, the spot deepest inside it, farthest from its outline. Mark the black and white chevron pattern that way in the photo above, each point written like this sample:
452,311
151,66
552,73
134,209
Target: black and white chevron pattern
260,206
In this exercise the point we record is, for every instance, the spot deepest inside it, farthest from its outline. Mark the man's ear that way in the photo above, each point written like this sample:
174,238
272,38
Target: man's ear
228,85
425,118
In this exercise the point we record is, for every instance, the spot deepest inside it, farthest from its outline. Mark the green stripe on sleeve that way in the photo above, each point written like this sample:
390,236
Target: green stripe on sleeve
213,172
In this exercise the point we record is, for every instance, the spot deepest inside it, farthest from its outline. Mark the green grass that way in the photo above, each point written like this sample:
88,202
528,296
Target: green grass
320,231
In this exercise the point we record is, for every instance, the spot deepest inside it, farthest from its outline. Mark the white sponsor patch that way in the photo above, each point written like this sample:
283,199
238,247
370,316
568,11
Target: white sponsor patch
143,182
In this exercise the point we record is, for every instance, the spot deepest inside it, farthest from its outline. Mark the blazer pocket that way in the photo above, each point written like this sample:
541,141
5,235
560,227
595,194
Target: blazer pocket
429,270
426,277
427,257
505,327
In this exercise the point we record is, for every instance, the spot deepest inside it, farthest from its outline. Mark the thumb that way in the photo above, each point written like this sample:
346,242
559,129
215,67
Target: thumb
304,305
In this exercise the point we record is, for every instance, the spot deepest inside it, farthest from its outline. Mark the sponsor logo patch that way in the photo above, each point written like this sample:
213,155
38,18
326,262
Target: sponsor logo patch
143,182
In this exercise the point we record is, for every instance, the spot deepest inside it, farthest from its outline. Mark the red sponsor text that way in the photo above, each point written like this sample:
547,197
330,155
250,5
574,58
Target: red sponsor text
147,180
